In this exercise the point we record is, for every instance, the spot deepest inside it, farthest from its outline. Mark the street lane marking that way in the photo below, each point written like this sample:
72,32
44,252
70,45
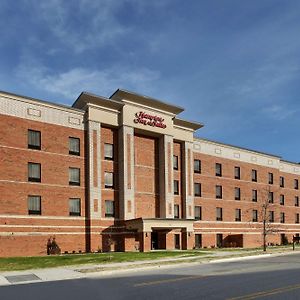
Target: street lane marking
167,280
267,293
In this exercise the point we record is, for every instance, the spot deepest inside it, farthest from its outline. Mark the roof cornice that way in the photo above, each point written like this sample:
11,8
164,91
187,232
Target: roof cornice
121,94
89,98
187,124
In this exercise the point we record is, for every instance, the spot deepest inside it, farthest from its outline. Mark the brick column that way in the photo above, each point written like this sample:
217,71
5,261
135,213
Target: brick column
188,240
94,173
187,180
145,241
166,177
170,244
126,173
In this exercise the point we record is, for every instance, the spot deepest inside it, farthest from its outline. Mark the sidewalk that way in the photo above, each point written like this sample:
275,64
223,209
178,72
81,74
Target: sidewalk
84,271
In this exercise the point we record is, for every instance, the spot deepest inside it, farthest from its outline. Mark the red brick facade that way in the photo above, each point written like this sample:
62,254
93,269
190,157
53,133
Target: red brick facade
143,174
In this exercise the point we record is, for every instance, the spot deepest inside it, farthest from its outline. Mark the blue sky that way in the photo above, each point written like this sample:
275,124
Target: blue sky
233,64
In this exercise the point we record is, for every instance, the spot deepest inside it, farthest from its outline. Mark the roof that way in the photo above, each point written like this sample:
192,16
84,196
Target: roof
189,124
86,97
289,162
42,101
121,94
233,146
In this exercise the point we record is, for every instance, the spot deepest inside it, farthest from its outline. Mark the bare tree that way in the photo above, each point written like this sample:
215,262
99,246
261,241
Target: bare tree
109,244
267,219
263,219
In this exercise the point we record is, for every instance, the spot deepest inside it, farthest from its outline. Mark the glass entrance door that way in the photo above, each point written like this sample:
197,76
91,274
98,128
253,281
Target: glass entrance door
154,240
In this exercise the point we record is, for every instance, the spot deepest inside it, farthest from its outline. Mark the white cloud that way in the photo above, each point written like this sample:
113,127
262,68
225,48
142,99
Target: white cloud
262,84
70,83
278,112
82,24
89,24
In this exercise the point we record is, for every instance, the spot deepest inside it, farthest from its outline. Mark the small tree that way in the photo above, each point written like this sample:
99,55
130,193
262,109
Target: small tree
267,222
109,244
265,216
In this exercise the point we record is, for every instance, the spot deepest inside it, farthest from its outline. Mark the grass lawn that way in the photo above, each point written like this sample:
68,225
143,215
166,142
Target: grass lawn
36,262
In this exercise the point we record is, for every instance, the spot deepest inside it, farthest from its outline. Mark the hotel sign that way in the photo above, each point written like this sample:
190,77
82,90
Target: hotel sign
150,120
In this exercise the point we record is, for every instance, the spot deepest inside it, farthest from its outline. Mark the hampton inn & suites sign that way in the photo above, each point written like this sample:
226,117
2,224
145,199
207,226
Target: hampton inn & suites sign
150,120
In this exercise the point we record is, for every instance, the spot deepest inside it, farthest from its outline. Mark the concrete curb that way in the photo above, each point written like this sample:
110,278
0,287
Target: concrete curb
137,268
229,259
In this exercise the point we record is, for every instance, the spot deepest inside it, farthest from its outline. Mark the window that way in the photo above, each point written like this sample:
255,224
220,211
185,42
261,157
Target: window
237,172
281,181
238,215
271,197
197,189
218,169
282,217
34,205
218,191
109,208
219,214
296,184
281,200
108,151
176,211
219,240
254,215
198,241
271,216
254,195
175,162
74,146
237,193
271,179
297,218
198,212
74,207
34,172
74,176
176,187
296,201
34,139
254,175
109,180
197,166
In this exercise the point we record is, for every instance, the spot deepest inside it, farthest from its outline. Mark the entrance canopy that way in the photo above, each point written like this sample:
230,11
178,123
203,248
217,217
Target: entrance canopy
148,225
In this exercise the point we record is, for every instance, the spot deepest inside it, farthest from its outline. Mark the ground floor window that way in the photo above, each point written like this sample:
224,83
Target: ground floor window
34,205
219,240
284,240
198,241
74,207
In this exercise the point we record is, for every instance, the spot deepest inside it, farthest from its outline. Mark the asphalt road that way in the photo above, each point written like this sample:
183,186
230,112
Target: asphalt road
266,278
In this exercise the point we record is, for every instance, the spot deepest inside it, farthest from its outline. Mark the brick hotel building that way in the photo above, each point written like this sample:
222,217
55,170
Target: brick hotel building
127,174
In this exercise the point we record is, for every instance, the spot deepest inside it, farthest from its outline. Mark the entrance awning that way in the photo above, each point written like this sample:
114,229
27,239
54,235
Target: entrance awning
147,225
